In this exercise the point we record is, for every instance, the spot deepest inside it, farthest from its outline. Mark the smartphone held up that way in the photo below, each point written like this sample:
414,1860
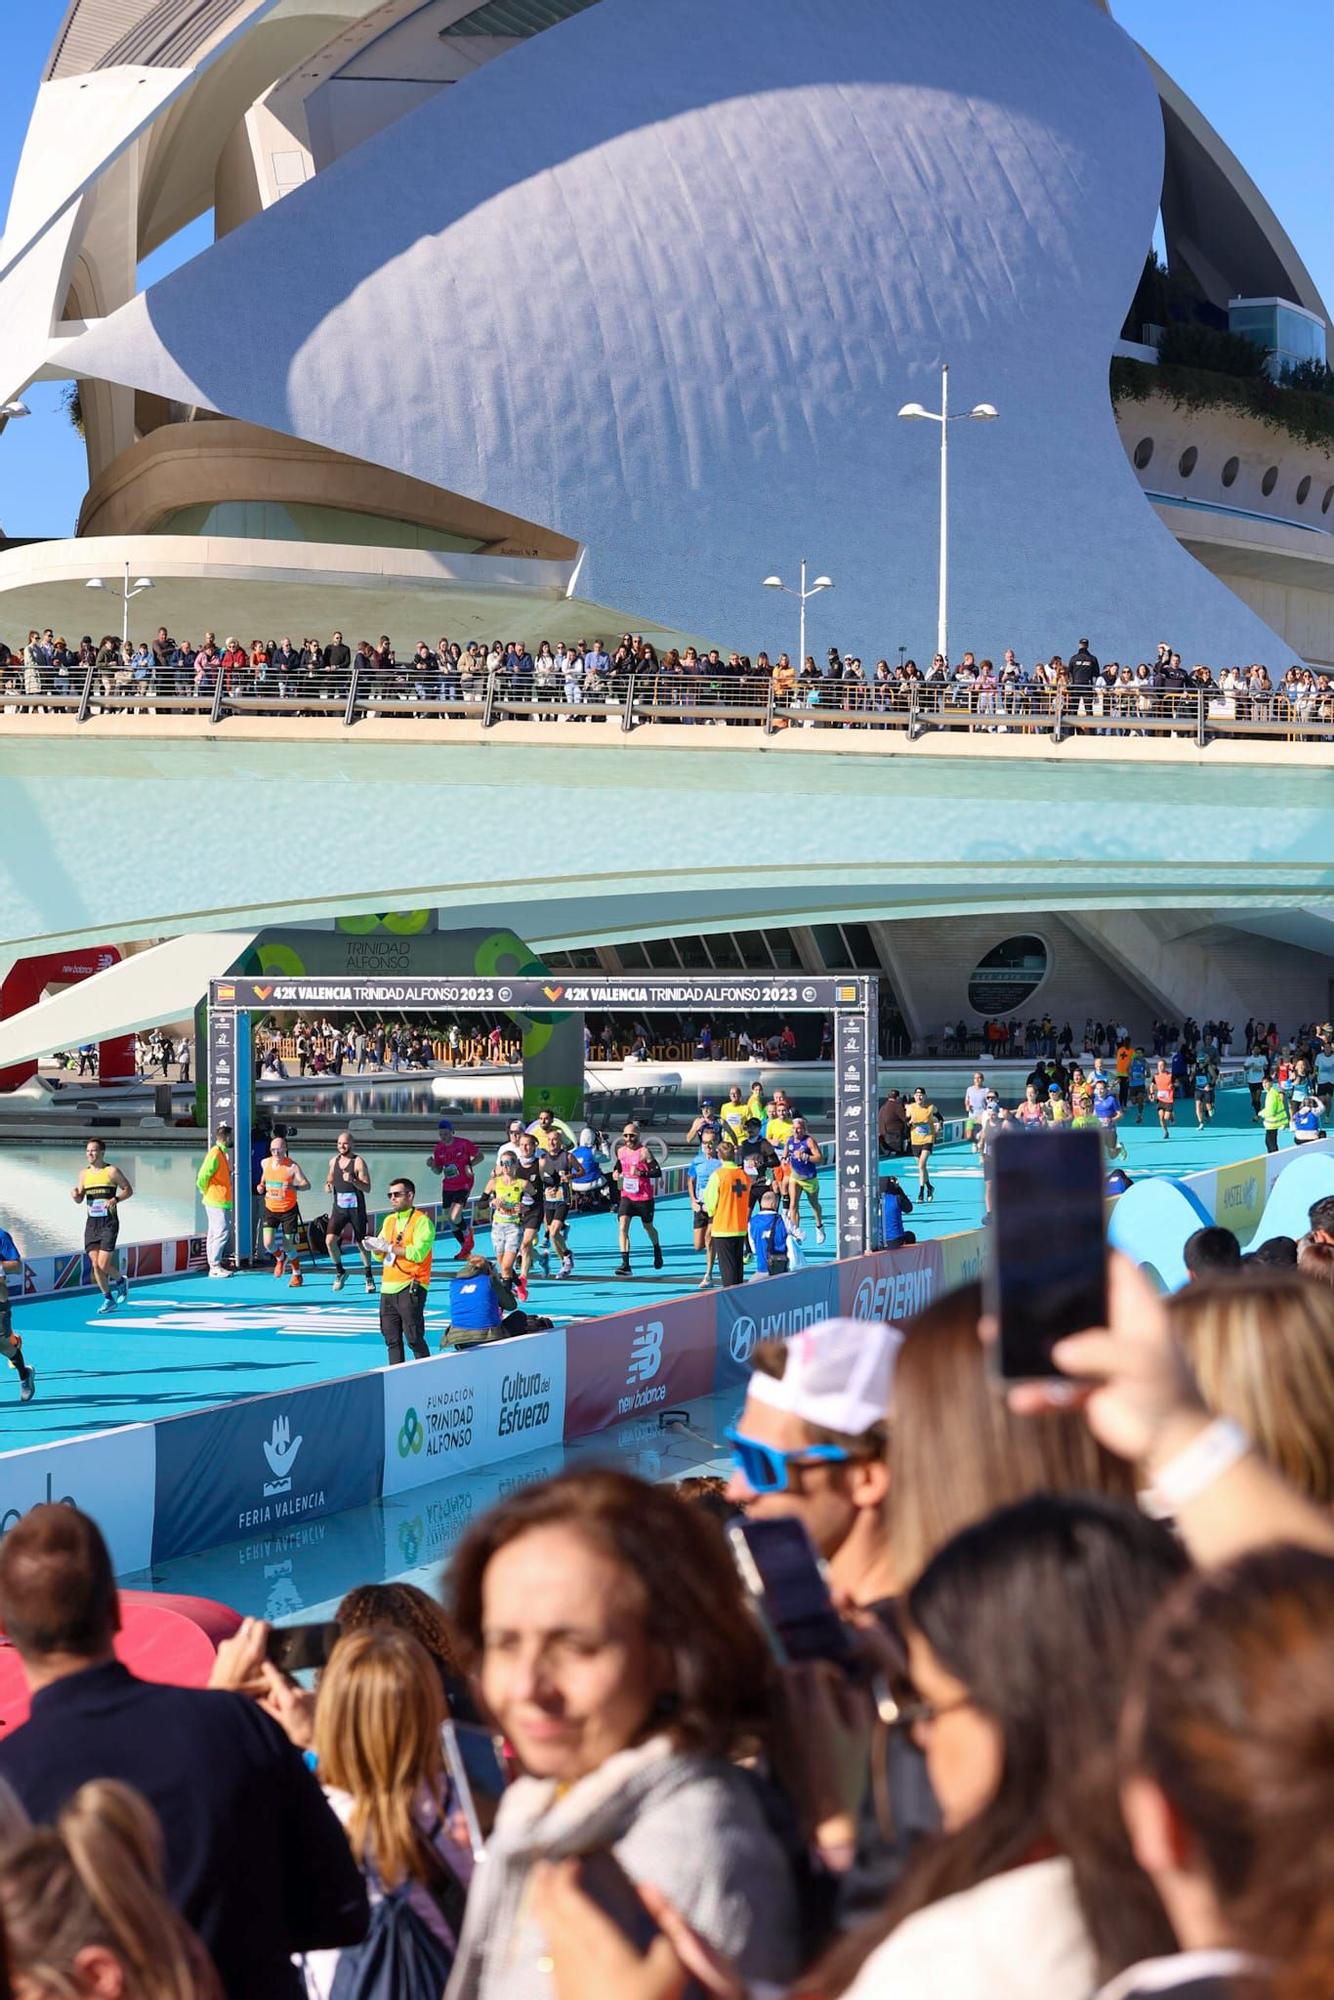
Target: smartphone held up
1046,1269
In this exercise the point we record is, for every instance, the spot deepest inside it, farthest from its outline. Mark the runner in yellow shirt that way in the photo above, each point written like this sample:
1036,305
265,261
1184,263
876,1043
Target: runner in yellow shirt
924,1128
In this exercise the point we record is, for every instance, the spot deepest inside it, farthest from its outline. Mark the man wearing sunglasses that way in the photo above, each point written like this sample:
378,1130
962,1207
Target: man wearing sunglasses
406,1242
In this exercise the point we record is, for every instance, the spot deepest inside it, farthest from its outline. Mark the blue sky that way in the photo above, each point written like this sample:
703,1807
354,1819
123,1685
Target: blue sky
1261,75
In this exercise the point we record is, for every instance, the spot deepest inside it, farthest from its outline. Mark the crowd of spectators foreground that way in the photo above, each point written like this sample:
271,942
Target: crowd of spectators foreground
1081,1742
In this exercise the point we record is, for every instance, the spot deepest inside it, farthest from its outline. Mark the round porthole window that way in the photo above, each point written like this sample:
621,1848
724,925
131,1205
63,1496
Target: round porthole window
1230,471
1143,453
1187,461
1008,975
1270,481
1303,489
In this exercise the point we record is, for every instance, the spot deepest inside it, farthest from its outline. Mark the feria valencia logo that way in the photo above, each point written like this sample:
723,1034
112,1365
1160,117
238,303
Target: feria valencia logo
280,1449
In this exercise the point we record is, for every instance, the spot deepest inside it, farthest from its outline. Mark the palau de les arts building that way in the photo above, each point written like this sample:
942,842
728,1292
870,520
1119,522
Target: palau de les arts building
545,318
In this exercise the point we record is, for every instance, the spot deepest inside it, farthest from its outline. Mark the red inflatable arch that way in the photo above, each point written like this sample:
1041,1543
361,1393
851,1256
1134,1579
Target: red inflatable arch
29,979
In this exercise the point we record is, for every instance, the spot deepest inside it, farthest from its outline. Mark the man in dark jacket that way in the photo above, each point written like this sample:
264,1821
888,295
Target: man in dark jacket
255,1859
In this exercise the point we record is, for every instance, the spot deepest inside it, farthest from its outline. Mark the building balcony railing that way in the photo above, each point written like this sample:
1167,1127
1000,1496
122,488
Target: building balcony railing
626,701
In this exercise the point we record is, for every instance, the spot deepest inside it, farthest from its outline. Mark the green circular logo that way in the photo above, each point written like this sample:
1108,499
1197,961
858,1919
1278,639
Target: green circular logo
411,1437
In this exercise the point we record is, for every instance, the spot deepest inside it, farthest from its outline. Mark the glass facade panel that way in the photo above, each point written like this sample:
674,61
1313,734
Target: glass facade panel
662,955
292,521
1009,973
754,949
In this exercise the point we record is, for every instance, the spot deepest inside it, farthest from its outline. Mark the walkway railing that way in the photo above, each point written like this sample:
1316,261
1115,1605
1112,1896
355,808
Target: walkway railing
1201,715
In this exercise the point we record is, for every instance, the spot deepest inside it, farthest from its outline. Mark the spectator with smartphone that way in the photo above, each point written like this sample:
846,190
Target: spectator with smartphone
84,1910
255,1860
616,1653
378,1720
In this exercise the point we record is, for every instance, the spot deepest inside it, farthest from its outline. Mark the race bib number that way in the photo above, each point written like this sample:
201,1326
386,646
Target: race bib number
631,1186
752,1167
345,1200
99,1205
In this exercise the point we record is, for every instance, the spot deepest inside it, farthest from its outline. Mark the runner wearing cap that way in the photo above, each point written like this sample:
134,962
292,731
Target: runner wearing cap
454,1158
506,1190
707,1121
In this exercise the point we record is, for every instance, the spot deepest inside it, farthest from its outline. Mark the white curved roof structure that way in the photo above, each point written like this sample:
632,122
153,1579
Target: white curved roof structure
673,323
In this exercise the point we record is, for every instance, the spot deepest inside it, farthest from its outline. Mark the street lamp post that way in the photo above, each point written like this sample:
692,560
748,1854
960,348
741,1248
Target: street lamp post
141,583
984,412
821,583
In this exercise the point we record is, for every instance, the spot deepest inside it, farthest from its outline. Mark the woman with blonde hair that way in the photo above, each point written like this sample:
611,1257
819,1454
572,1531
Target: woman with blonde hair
84,1910
957,1450
1262,1348
378,1719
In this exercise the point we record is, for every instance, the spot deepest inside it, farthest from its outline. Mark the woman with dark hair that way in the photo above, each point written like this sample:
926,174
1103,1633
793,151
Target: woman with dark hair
1227,1747
618,1657
408,1609
1019,1632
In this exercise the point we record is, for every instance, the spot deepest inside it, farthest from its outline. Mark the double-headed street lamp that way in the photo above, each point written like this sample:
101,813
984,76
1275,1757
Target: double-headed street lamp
141,583
983,411
821,583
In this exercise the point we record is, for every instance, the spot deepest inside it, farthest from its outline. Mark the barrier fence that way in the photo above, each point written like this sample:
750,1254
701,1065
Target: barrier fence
266,1470
1202,714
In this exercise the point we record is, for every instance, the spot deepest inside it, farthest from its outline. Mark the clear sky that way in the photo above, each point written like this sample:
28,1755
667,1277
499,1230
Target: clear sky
1261,75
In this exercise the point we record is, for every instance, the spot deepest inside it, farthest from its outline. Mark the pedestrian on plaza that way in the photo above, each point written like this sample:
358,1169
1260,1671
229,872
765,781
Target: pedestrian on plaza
214,1181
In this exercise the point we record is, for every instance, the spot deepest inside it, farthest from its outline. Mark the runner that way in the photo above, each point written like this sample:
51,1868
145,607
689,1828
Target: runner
1137,1075
707,1121
10,1344
405,1242
1164,1096
545,1123
555,1172
506,1189
698,1175
510,1143
280,1181
924,1128
214,1181
1205,1078
349,1182
734,1115
532,1204
101,1189
1107,1114
636,1173
974,1106
1257,1075
1031,1112
803,1166
453,1158
758,1160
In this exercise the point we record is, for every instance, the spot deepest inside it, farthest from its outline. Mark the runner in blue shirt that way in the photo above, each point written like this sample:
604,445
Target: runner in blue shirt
10,1344
698,1175
1107,1111
1139,1084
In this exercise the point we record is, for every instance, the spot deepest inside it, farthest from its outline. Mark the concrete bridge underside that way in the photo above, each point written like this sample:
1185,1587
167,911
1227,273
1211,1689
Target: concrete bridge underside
132,827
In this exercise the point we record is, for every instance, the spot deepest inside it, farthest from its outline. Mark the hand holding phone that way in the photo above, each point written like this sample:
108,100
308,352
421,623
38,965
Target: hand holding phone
478,1776
786,1581
295,1649
1046,1270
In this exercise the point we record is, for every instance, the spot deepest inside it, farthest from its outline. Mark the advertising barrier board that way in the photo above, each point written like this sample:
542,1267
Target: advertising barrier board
268,1463
465,1410
638,1361
109,1475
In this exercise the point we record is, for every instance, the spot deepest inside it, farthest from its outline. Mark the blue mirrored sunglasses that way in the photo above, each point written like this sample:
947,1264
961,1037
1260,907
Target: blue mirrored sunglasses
765,1468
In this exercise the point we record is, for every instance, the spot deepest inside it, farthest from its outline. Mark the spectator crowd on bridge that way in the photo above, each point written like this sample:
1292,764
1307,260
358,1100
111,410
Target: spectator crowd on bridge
1065,1730
569,677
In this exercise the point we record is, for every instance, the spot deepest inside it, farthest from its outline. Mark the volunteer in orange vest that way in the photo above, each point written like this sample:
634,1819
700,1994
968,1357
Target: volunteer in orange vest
405,1242
727,1204
280,1182
214,1181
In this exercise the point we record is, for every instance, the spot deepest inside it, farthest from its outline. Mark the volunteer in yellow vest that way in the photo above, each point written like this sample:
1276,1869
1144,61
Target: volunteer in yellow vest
280,1182
214,1181
405,1242
1274,1114
727,1204
101,1189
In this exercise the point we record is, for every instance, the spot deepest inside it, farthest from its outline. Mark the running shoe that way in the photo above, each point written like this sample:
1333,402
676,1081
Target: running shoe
279,1265
623,1270
370,1285
657,1256
544,1259
122,1289
797,1234
222,1272
704,1285
521,1290
296,1277
566,1268
108,1304
340,1279
819,1232
468,1242
28,1386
